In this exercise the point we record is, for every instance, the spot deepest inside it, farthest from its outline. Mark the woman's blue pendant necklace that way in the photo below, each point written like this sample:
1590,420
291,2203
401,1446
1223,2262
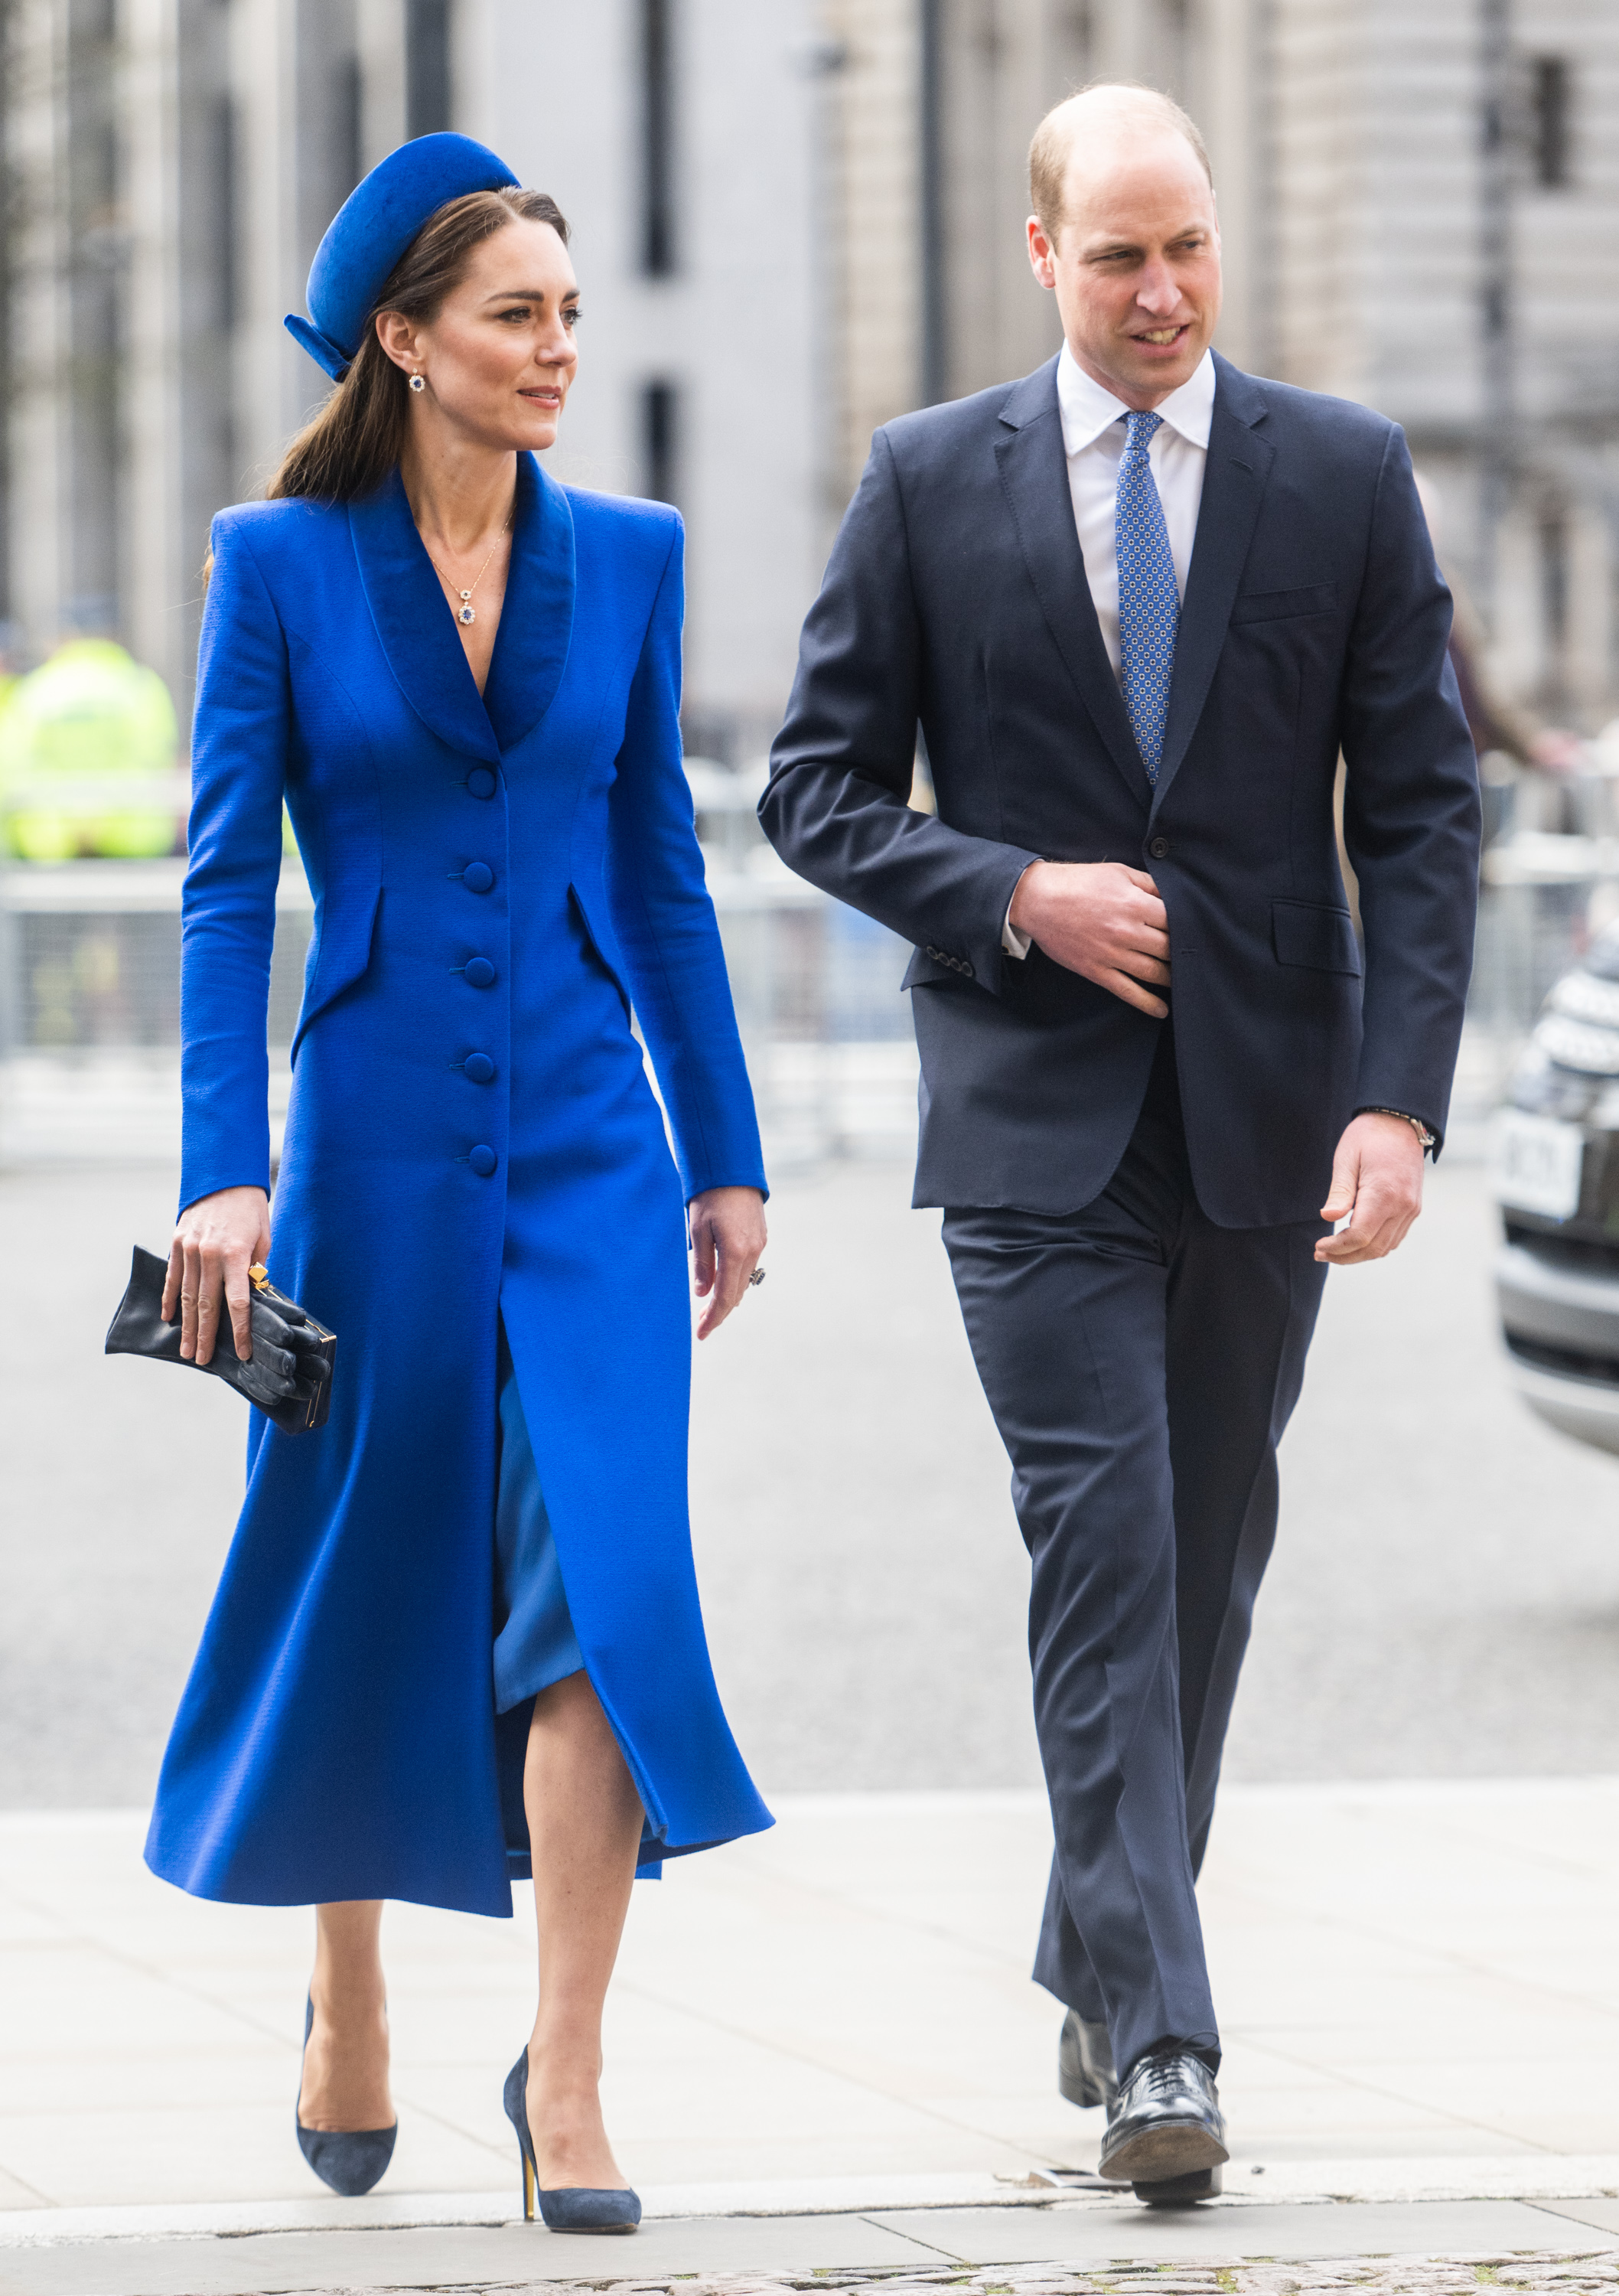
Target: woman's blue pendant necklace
466,613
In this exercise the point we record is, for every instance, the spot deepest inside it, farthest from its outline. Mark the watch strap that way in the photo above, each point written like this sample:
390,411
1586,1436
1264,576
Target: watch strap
1428,1139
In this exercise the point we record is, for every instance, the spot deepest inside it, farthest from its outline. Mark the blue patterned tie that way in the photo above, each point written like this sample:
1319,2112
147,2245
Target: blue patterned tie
1148,602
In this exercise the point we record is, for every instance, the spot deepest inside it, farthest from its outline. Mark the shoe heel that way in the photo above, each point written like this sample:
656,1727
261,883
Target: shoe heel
516,2101
574,2207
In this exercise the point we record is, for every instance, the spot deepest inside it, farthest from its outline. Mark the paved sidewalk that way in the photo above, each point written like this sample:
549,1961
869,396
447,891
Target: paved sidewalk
1089,2249
825,2054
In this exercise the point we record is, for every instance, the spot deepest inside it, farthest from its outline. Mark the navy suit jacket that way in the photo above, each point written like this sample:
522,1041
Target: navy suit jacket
1315,621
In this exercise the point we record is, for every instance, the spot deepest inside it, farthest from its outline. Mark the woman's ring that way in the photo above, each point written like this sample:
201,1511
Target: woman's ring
758,1276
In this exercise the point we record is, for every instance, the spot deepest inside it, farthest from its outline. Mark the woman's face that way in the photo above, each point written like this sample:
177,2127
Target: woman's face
500,355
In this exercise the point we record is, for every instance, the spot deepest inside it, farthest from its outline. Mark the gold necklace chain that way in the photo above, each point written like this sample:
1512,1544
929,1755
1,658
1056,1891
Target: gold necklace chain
466,614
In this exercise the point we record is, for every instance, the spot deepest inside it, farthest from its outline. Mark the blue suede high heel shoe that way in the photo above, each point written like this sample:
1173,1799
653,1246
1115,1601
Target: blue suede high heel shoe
570,2208
351,2160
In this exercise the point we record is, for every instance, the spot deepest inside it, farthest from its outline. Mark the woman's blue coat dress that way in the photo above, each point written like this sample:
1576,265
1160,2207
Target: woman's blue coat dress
471,1138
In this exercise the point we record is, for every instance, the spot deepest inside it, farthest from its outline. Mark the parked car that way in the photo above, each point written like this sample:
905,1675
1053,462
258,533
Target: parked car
1555,1161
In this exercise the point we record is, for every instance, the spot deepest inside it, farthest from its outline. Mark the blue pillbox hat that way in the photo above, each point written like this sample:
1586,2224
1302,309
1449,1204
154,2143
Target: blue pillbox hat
372,230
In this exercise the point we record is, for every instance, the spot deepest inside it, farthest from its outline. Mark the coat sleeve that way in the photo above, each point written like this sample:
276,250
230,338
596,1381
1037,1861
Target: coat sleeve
836,808
1411,815
239,754
664,922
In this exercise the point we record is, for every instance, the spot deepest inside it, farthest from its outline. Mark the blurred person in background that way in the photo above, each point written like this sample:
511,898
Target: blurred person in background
457,1638
1502,730
90,712
1139,602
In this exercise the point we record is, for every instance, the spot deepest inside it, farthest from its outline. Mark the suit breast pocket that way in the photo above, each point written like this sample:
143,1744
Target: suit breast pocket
1286,605
1312,934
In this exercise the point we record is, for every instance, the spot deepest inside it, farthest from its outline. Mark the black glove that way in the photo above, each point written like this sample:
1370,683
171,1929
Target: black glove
275,1372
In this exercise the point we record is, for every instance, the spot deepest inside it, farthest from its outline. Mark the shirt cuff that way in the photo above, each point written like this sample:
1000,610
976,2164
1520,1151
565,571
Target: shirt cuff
1015,943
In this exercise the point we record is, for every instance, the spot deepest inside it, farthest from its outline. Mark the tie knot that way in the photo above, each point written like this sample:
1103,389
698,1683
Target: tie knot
1139,433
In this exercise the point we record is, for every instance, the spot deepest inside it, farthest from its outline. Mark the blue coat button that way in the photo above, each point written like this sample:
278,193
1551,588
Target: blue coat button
483,1162
480,782
480,1067
479,972
477,876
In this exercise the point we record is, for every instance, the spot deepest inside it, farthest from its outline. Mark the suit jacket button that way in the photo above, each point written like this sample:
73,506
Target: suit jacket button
1159,848
480,782
479,1067
477,876
483,1162
479,972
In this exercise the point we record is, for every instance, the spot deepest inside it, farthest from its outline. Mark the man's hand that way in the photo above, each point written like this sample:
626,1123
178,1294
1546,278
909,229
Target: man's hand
1376,1175
1102,919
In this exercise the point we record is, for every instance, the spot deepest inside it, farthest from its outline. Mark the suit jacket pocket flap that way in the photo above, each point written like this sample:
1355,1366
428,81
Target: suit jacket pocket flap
1307,932
1276,605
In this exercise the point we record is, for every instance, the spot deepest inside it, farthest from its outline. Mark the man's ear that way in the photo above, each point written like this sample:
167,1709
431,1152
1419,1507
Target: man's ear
1042,254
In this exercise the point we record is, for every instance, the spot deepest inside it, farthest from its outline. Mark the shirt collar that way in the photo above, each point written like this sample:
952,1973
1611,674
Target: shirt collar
1088,407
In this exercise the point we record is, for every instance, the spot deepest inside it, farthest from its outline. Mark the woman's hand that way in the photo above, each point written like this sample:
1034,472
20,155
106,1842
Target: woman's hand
727,1237
218,1239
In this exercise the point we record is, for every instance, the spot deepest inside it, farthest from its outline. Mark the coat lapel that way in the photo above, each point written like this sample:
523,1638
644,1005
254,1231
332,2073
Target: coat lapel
1034,475
536,620
1234,480
413,623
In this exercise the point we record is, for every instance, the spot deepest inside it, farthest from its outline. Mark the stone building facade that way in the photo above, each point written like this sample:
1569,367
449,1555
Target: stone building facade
1443,187
793,219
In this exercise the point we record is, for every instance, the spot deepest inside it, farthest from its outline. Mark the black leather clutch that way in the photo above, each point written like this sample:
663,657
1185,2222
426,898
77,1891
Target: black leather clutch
288,1377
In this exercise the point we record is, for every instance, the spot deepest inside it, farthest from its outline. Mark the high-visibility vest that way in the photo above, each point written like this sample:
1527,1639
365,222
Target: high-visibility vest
91,710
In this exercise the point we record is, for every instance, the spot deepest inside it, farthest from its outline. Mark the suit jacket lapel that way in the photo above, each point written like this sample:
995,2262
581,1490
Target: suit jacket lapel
413,622
537,619
1234,478
1034,475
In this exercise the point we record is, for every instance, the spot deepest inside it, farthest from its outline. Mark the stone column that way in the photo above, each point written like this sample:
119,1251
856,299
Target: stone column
379,38
152,579
38,413
874,171
274,383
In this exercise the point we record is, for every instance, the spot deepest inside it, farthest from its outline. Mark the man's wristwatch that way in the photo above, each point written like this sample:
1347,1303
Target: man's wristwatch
1428,1139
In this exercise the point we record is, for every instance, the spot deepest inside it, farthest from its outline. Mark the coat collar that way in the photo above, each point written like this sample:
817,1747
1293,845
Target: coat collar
1034,474
536,620
418,635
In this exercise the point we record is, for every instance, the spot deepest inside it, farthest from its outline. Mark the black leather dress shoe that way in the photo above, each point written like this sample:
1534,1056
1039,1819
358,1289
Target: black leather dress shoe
1085,2063
1179,2191
1165,2123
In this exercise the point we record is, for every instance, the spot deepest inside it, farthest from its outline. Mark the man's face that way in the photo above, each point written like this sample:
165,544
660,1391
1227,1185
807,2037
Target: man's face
1135,267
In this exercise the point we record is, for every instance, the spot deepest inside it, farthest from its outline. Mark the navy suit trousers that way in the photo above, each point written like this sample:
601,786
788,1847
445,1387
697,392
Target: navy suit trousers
1141,1365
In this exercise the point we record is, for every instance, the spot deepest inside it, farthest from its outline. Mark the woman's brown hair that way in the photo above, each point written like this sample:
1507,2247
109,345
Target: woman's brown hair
358,436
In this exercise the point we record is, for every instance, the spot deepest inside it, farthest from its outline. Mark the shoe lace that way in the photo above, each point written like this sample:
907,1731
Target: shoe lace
1162,2073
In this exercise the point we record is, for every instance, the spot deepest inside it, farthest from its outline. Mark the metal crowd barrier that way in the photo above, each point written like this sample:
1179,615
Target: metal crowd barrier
89,990
89,966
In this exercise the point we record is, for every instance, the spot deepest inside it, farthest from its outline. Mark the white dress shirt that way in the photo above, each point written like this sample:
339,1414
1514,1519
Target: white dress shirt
1093,441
